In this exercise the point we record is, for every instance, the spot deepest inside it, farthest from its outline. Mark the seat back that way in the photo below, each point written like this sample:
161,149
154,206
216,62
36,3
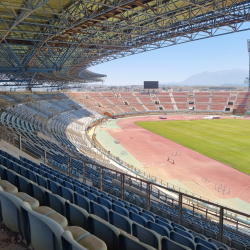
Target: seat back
41,231
67,193
68,242
42,181
11,176
91,196
168,226
120,221
11,212
53,187
120,210
55,202
184,233
38,193
180,239
104,202
205,243
104,231
99,210
146,235
82,202
161,230
138,219
166,243
128,243
76,216
23,184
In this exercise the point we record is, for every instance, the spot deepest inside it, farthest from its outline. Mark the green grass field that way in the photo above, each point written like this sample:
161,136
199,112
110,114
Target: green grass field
225,140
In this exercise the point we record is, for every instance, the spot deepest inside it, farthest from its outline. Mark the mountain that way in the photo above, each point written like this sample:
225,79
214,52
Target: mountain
232,77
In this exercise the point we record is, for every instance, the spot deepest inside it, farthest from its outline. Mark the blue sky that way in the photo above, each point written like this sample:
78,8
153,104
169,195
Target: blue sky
176,63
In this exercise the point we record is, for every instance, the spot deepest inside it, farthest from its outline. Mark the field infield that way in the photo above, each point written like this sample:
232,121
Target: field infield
191,166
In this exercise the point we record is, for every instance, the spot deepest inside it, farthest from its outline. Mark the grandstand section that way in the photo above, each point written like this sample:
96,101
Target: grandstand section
57,181
164,101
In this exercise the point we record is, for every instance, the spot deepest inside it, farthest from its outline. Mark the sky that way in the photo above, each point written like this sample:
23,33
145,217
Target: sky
177,63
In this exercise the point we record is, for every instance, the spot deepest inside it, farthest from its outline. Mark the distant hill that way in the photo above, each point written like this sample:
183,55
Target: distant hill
232,77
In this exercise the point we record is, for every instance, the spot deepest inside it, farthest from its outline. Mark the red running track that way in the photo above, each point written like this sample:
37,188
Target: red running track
149,148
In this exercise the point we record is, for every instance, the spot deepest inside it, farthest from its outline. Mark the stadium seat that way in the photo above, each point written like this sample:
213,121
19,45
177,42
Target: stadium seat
126,242
120,221
99,210
82,202
104,202
76,216
120,210
42,232
146,236
180,239
104,231
168,244
161,230
138,219
79,239
67,193
55,202
205,243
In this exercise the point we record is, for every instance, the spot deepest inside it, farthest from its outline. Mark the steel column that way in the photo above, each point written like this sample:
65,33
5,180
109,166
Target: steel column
20,142
84,172
180,209
221,224
148,196
101,179
69,160
122,186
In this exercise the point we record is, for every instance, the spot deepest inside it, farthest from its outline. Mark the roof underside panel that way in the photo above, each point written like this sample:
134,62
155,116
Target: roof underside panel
56,40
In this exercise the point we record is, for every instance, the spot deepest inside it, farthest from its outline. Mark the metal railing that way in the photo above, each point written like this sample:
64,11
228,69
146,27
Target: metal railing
163,201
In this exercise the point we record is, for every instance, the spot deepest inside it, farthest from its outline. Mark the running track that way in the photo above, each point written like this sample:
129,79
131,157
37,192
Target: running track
150,148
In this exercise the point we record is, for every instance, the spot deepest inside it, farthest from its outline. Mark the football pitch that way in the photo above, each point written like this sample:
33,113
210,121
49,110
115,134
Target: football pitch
224,140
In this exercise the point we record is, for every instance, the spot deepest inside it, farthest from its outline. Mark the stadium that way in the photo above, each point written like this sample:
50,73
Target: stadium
117,170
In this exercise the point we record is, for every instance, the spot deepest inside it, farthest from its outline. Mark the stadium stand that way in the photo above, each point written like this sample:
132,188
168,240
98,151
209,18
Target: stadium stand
34,194
55,196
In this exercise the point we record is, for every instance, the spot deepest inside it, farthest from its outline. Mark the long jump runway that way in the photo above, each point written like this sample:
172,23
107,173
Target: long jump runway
190,167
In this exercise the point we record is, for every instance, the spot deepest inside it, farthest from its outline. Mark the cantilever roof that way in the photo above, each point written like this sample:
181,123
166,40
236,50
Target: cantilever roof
55,40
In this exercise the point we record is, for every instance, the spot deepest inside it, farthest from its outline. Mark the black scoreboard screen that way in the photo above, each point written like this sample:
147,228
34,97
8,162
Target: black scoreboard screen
151,84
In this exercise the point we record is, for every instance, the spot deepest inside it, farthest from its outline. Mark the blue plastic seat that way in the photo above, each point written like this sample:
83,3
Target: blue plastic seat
42,181
120,221
67,193
42,232
79,190
104,231
138,219
120,210
104,202
31,175
218,244
180,239
184,233
54,187
99,210
16,167
8,163
118,203
55,202
132,209
91,196
38,193
147,216
160,222
11,176
146,235
76,215
69,185
205,243
23,171
82,202
23,184
168,244
161,230
128,243
11,212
